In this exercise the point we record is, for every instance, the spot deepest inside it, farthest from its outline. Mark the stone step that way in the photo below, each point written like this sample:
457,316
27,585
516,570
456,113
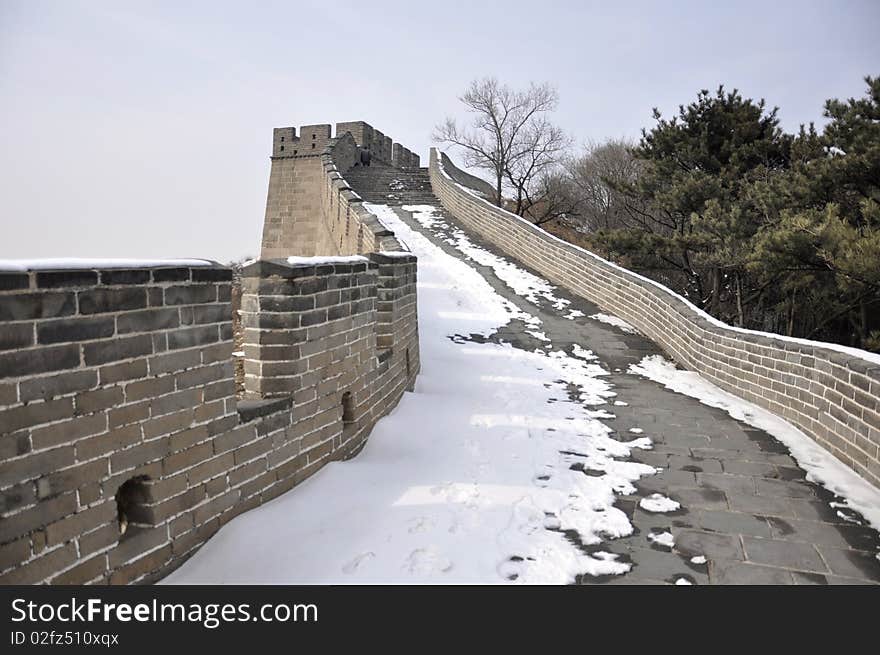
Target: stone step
392,186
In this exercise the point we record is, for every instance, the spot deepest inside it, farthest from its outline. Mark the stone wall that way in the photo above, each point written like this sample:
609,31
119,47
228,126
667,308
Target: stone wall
122,444
830,393
310,209
339,337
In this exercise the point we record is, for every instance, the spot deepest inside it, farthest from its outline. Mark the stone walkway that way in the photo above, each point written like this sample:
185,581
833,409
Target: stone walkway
747,516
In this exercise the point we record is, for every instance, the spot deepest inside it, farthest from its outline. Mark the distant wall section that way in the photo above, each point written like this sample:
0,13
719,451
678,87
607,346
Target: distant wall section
310,210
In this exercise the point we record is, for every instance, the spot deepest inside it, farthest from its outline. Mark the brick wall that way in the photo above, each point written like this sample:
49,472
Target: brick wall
117,395
333,336
832,396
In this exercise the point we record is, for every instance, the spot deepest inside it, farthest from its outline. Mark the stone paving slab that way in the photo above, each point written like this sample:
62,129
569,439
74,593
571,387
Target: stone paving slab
746,505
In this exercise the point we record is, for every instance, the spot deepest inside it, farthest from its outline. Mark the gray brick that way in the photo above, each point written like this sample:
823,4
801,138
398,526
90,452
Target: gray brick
190,294
47,387
125,277
218,313
148,320
189,337
41,568
13,445
68,431
75,329
211,274
14,281
99,399
70,278
175,401
97,301
123,371
14,553
19,363
783,553
44,513
72,478
17,496
174,361
171,275
112,350
851,563
12,420
16,335
739,573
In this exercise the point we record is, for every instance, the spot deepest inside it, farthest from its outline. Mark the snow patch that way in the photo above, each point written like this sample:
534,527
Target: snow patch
659,503
525,284
79,263
662,538
616,322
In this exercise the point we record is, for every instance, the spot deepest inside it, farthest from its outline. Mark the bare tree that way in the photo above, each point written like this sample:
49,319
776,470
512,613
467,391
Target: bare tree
535,173
552,197
508,128
601,175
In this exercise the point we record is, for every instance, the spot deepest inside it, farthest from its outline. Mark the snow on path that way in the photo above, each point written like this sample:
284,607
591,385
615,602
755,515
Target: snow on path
611,319
525,284
467,480
821,466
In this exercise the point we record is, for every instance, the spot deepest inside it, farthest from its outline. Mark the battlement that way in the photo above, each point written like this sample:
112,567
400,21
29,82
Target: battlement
313,139
311,142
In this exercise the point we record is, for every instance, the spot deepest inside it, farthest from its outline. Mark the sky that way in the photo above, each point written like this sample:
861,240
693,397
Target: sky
143,129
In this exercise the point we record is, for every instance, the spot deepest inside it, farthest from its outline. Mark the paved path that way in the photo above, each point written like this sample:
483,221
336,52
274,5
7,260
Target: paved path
747,515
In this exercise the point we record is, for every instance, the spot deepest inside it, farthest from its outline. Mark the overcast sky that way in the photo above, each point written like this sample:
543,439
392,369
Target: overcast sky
135,129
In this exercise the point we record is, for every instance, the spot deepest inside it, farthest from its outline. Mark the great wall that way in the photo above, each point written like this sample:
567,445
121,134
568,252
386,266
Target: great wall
125,447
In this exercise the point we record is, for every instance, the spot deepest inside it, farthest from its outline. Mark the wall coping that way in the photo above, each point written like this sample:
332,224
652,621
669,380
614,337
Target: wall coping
868,359
77,263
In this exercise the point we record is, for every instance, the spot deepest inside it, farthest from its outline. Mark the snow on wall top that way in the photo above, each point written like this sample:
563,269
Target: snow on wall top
77,263
321,259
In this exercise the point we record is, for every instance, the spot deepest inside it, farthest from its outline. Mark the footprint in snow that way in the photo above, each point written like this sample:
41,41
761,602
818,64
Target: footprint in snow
420,524
425,561
354,564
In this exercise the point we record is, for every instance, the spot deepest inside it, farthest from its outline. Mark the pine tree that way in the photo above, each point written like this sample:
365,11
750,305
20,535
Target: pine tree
825,239
699,169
